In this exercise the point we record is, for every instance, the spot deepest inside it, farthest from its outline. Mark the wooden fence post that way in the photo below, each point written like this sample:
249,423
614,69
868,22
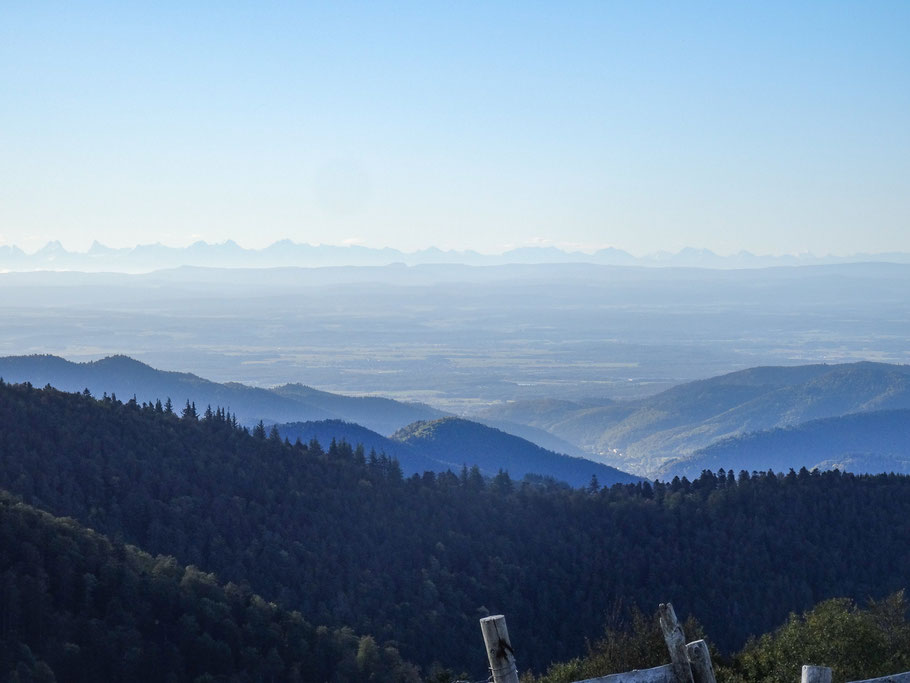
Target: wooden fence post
499,649
816,674
700,661
676,643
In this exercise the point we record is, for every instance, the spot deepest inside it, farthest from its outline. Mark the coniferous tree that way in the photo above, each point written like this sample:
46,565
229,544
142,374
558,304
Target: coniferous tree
189,411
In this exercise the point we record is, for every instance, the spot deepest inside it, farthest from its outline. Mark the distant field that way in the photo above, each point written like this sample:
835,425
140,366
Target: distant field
459,337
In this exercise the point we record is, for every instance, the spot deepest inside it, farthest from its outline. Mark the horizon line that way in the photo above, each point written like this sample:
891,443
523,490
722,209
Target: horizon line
567,249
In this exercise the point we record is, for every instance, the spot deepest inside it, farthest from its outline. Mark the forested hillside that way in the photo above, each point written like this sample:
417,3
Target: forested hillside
348,541
76,607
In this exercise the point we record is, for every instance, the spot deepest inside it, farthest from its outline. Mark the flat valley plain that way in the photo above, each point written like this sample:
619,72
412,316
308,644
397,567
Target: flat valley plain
465,337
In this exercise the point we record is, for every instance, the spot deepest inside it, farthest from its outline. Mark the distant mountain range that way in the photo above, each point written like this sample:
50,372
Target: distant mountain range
147,257
641,436
127,377
452,443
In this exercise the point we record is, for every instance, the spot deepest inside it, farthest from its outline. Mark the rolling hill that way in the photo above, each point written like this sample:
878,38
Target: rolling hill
872,442
641,435
455,442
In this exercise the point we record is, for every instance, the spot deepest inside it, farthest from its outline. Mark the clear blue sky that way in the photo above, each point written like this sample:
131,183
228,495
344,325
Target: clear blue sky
769,126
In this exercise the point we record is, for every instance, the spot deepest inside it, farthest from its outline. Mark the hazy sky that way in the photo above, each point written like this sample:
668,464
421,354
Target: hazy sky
769,126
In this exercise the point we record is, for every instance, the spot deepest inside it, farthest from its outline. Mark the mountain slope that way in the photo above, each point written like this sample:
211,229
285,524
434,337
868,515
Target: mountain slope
126,377
537,436
417,560
452,443
456,442
77,607
872,442
641,435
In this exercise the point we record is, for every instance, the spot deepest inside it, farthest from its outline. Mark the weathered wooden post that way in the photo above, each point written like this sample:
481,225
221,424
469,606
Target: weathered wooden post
816,674
676,643
689,663
499,649
700,661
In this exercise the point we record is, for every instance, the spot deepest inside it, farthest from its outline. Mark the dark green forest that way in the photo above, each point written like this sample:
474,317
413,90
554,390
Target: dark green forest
76,607
342,537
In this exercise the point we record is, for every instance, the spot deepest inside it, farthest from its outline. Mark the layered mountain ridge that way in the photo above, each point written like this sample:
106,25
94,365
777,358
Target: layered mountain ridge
874,441
303,412
642,435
